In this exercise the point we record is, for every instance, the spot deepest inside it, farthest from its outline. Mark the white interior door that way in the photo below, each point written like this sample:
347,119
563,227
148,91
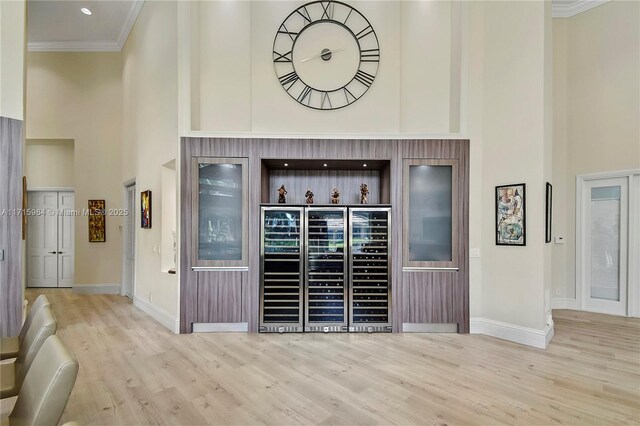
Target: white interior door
66,202
42,240
129,243
604,245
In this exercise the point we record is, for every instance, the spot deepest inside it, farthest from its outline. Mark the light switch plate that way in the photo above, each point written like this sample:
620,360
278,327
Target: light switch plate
474,252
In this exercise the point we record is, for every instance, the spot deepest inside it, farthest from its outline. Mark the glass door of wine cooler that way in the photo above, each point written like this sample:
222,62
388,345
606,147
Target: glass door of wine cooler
326,270
370,290
281,289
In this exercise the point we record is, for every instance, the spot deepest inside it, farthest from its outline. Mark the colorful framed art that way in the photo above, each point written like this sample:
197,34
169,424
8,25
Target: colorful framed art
511,225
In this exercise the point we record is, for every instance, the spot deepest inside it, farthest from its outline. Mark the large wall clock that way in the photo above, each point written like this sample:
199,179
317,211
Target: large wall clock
326,55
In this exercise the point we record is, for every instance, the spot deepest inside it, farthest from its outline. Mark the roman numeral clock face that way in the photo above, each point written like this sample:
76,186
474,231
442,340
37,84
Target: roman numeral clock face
326,55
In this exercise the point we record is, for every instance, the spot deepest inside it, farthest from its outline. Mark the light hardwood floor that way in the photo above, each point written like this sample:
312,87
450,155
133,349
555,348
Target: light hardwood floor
134,371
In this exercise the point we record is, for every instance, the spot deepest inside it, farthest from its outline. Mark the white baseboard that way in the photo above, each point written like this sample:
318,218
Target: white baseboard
511,332
551,331
96,288
158,314
565,303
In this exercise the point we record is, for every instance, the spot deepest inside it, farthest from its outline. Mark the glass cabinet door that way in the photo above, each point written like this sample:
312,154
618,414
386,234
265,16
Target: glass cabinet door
326,298
370,272
281,269
220,212
430,204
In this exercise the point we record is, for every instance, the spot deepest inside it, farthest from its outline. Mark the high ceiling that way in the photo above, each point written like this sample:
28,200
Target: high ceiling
59,25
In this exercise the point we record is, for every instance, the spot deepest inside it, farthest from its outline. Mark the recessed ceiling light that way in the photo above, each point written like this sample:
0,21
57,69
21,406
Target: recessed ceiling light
325,164
85,11
286,164
364,165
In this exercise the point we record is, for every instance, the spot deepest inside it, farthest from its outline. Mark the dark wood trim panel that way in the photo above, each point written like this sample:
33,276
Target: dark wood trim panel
11,143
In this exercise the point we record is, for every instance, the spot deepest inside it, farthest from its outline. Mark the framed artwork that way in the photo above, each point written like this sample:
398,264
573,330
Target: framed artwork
145,209
548,213
511,225
97,221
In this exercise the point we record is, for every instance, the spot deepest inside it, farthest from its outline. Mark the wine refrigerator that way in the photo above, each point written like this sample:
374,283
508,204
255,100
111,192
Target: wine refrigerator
325,269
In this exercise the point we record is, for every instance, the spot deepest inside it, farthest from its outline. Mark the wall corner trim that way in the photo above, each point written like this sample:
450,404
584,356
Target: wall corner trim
158,314
512,332
96,288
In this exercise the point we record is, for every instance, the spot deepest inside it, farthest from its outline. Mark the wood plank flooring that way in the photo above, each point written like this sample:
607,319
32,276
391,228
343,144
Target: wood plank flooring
134,371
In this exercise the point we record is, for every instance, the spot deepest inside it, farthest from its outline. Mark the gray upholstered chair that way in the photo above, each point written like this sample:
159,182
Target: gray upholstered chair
9,346
46,388
12,374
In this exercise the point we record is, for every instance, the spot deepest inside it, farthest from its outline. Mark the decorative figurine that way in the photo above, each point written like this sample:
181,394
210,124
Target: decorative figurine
335,196
309,196
364,191
282,195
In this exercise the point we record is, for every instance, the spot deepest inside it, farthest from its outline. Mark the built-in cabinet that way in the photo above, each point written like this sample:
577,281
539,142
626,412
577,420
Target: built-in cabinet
220,212
250,264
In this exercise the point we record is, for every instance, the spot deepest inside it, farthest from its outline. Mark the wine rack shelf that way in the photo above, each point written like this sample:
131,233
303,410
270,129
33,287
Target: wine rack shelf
281,270
325,269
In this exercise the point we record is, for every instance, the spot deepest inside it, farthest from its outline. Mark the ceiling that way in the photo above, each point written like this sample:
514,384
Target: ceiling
55,25
59,25
569,8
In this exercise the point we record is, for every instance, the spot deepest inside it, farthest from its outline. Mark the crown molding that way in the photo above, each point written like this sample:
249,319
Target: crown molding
128,24
572,9
73,46
92,46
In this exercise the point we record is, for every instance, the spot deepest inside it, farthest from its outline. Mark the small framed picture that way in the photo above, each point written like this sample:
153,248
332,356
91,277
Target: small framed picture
145,209
97,221
548,213
511,225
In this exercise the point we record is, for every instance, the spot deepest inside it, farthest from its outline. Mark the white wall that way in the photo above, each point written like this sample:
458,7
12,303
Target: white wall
597,110
79,96
150,139
12,47
49,163
234,87
560,161
507,123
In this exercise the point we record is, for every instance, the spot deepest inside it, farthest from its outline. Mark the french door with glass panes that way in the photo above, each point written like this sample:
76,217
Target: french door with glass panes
50,239
603,247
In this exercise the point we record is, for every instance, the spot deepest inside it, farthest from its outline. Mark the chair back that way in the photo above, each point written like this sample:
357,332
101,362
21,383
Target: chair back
40,302
47,386
43,325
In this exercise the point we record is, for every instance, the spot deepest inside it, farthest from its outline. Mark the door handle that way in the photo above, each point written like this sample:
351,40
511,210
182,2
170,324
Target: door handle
59,252
52,252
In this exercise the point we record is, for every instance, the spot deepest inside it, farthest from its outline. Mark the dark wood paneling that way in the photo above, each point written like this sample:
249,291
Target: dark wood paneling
416,296
429,297
397,286
195,300
188,278
440,296
322,182
11,142
220,296
251,285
